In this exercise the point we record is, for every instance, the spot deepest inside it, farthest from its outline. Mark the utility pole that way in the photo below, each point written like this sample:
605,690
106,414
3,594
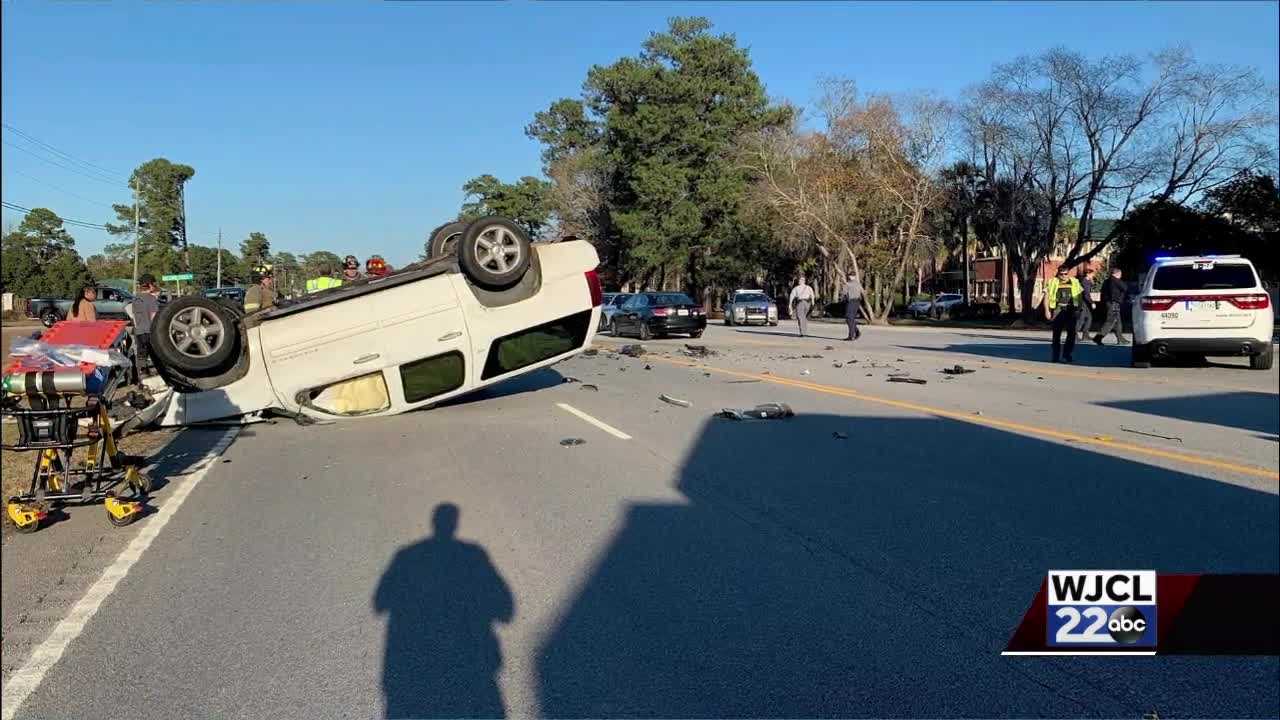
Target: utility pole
136,232
219,257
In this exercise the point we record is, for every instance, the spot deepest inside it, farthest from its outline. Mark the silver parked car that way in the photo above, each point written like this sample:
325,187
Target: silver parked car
612,305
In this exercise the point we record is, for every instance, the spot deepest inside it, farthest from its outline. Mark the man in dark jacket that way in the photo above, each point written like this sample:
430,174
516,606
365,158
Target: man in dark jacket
1113,298
1084,318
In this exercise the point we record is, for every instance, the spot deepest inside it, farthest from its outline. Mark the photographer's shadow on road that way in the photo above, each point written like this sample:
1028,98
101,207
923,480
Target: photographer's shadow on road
442,597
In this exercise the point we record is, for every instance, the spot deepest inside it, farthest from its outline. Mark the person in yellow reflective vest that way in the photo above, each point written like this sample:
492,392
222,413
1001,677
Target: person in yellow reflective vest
324,282
1062,299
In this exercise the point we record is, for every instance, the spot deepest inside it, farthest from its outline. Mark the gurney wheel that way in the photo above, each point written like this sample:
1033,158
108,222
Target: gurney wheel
140,481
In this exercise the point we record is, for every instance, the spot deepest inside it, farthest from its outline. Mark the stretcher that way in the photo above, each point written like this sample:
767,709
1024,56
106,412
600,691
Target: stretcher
59,409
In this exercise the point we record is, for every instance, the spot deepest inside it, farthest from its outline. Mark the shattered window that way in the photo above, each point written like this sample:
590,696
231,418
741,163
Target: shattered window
536,344
426,378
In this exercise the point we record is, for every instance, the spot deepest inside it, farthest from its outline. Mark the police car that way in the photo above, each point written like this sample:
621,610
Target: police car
1209,305
494,307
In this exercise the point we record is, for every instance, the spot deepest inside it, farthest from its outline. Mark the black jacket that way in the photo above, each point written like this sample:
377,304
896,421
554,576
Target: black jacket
1114,291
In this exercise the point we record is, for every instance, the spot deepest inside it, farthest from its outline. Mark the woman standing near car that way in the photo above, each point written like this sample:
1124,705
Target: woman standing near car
82,310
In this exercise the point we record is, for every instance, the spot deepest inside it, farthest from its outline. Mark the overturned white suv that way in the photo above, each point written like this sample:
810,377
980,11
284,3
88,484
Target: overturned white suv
1211,305
491,307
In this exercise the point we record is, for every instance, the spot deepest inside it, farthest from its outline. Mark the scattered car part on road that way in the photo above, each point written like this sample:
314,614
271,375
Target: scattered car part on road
957,370
700,351
570,442
905,379
1154,435
674,401
635,350
591,387
766,411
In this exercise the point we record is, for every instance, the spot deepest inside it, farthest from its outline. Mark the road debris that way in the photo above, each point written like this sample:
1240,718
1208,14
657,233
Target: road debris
811,357
648,367
570,442
829,347
767,411
698,351
905,379
591,352
977,412
740,382
805,372
674,401
1154,435
957,370
839,435
837,364
706,374
591,387
569,379
632,350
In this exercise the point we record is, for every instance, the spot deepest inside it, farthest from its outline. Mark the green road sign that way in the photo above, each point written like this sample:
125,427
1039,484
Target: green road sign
183,276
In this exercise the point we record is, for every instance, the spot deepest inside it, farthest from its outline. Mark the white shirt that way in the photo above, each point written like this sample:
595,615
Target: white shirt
801,293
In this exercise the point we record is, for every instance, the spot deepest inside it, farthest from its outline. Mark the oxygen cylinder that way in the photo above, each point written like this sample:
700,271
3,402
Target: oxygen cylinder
45,382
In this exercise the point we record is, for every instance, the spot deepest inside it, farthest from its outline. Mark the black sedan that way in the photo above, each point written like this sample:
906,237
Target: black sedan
660,313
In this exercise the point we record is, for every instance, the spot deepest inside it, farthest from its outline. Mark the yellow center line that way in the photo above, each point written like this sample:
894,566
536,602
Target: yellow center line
1098,441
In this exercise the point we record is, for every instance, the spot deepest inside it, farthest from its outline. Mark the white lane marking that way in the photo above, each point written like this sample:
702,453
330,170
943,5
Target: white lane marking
602,425
25,681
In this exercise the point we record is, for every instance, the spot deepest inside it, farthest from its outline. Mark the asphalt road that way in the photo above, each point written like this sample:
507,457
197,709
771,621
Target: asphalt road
869,557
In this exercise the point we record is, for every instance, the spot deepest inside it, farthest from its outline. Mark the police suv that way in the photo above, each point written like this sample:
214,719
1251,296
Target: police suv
1205,305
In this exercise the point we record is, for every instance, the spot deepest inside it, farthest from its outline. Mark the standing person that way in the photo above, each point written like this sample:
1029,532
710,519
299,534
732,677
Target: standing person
801,300
1084,318
263,294
83,310
1061,302
324,281
852,303
1114,293
145,307
350,269
376,267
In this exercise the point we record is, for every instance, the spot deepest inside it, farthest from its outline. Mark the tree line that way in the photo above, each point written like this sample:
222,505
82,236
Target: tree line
682,172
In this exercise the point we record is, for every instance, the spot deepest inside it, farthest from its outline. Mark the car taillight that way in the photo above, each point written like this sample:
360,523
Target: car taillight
661,312
593,283
1157,303
1250,302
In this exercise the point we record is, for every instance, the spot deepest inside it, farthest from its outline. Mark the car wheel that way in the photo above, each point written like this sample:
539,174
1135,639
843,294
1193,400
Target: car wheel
49,317
645,332
494,252
1262,361
444,239
695,334
195,336
1141,357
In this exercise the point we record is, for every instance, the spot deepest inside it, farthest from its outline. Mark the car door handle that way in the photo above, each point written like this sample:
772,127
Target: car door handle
366,358
449,336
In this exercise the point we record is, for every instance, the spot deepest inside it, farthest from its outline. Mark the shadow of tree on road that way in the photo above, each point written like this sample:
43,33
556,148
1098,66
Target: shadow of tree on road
442,597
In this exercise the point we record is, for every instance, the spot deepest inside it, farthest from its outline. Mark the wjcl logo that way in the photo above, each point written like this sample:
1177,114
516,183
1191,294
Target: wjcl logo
1100,608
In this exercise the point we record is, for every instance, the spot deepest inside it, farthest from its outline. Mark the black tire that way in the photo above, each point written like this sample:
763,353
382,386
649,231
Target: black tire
1263,360
494,252
695,334
1141,357
644,332
49,316
444,239
195,336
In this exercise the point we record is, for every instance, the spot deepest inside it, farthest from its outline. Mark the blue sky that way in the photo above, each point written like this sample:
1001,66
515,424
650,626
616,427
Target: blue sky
351,126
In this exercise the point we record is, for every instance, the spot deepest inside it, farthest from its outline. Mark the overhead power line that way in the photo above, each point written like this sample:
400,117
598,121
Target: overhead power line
69,168
88,165
62,189
67,221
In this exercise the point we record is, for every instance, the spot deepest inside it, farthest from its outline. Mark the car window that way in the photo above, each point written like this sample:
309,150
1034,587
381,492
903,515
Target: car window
670,299
621,300
1208,276
108,294
751,297
536,344
428,377
637,302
